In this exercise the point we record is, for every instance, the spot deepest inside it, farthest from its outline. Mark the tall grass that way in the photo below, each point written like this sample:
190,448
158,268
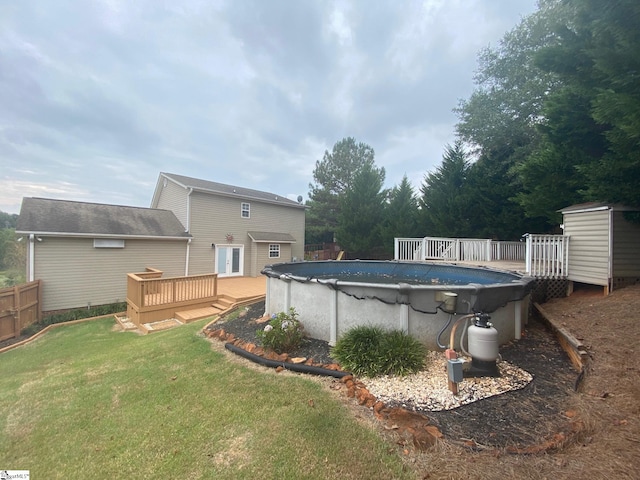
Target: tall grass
86,401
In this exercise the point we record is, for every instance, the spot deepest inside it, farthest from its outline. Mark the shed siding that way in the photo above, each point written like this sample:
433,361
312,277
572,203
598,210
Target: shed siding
215,216
74,273
174,197
626,247
262,256
588,247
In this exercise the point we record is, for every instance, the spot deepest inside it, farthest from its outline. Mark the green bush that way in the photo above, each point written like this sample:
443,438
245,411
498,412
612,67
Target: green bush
284,333
371,351
75,314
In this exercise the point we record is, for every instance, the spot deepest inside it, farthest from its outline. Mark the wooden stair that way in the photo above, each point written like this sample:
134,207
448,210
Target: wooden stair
216,308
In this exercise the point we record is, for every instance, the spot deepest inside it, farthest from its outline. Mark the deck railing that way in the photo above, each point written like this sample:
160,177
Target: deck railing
457,249
544,256
547,256
151,297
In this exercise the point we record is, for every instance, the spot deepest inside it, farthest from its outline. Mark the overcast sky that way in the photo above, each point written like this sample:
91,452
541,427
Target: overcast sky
98,97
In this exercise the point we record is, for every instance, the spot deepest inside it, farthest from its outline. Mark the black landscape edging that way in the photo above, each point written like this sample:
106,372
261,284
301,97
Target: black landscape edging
294,367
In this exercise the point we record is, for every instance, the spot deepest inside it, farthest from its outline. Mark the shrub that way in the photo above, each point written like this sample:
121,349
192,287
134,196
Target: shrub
284,333
370,351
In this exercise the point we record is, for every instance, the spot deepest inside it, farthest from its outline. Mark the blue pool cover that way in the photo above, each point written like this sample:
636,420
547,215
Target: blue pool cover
483,289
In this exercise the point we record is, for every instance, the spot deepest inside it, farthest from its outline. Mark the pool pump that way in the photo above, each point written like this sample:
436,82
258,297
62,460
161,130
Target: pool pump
483,347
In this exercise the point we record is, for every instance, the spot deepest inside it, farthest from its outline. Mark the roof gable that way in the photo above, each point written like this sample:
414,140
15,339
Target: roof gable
215,188
69,218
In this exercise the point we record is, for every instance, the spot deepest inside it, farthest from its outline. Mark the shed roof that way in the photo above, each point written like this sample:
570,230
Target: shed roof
594,206
273,237
68,218
229,190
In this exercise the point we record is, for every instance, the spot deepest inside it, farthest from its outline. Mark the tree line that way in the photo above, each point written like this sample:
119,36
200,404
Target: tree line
554,120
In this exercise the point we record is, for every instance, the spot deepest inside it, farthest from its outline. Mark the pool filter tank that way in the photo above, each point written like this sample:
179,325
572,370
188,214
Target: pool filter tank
483,347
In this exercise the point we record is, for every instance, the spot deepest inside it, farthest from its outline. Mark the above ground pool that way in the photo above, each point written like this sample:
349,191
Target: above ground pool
419,298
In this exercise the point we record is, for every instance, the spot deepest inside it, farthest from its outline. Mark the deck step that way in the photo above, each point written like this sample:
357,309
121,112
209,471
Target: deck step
221,306
187,316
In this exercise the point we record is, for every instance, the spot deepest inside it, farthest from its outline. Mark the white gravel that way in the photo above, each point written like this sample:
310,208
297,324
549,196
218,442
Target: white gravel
428,389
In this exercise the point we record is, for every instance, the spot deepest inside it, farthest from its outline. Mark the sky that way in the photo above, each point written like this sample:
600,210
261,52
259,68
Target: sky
97,97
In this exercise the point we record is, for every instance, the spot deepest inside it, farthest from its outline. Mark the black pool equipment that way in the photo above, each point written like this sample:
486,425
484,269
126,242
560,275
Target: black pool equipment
483,348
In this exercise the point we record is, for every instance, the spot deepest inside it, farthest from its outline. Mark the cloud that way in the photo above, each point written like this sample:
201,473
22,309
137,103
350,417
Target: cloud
99,97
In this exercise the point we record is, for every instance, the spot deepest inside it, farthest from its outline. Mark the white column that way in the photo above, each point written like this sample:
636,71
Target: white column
404,318
518,319
333,318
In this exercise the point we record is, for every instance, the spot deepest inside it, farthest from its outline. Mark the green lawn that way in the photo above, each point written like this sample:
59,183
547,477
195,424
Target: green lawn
85,401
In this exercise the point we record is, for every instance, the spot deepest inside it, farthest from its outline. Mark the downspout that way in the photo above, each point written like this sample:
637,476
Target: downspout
610,259
186,265
32,252
187,227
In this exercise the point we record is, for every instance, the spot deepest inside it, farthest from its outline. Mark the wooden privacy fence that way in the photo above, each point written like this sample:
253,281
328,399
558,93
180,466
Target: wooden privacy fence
20,306
151,298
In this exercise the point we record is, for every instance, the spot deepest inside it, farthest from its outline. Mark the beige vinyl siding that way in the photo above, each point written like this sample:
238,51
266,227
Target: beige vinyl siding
74,273
262,256
588,246
173,197
215,216
626,247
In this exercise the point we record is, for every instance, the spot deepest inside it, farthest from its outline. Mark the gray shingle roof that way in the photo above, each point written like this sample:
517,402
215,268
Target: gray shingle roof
48,216
271,237
214,187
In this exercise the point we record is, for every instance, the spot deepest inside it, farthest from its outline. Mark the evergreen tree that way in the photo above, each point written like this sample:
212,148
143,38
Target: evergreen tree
444,202
400,217
333,175
361,209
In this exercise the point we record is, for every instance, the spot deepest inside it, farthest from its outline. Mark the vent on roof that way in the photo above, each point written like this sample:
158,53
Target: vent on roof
108,243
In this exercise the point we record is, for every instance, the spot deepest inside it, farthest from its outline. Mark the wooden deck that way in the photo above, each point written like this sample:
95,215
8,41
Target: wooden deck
508,265
242,288
231,292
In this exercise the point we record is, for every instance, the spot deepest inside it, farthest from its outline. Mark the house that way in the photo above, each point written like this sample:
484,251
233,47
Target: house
604,247
83,251
235,231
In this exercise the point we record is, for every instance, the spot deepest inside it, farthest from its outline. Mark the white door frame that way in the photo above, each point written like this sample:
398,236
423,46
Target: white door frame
228,270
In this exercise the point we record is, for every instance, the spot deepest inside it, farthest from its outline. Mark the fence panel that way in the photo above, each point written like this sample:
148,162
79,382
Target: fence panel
20,306
508,250
408,249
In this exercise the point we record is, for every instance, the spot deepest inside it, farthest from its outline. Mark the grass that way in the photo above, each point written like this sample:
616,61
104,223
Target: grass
85,401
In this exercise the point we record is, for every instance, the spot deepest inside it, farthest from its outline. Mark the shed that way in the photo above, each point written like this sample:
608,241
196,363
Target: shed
604,245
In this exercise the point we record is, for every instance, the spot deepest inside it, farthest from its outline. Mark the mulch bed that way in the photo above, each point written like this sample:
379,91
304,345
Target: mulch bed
530,420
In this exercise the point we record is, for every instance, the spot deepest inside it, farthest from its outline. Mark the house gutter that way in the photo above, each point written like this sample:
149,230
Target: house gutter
101,235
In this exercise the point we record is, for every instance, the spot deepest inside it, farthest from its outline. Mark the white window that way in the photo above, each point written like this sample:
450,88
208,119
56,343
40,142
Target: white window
245,210
274,250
